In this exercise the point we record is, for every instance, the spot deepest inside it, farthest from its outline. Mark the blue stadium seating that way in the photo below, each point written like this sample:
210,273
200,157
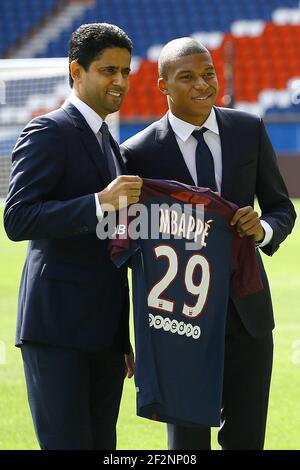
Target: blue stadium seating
19,17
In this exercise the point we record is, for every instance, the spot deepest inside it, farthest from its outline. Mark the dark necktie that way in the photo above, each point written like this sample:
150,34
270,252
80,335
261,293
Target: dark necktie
107,150
204,162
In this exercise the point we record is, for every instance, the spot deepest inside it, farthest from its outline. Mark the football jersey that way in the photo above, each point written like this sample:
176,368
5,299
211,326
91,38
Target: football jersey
185,262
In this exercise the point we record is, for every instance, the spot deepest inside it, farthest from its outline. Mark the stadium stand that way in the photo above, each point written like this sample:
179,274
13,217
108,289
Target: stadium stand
262,34
260,73
157,22
20,18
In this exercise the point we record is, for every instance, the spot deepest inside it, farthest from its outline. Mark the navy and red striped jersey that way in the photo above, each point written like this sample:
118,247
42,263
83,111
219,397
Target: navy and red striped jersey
185,263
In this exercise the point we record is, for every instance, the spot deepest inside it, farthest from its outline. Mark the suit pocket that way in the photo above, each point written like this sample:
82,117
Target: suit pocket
67,272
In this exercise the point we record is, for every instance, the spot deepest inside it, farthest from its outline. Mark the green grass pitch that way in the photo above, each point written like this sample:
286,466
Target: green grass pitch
283,429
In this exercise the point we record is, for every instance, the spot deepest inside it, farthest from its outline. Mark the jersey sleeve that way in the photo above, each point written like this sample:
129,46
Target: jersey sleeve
246,278
121,252
122,246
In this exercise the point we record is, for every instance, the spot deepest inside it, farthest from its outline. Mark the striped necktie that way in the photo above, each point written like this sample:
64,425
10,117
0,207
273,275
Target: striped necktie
204,162
107,150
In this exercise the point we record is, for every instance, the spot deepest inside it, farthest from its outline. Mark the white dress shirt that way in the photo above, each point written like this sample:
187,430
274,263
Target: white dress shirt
95,122
187,143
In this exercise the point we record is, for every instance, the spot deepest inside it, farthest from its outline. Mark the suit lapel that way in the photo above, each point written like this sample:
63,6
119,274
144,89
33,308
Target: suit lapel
89,141
228,152
172,161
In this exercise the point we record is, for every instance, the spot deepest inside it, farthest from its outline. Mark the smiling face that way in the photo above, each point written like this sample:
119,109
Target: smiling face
103,86
191,86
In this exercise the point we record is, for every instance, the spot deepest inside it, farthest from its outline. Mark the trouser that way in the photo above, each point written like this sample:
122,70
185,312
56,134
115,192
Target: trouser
247,376
74,396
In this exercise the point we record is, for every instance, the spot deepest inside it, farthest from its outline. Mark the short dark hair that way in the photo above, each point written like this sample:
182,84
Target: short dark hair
178,48
89,40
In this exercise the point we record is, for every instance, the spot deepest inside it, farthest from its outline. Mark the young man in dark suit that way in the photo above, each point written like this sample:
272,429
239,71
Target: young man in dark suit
228,151
72,322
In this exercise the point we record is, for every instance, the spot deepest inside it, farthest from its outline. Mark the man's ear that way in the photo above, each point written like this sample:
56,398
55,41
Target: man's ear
162,85
75,70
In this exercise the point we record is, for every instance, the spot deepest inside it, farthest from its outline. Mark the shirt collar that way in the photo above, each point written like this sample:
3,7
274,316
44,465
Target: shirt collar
184,129
92,118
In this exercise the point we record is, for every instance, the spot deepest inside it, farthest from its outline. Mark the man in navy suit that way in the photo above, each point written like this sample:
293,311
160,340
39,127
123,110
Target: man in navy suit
237,158
72,322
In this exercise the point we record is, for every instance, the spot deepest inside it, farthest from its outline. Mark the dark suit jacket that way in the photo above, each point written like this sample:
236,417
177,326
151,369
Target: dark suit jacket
249,169
71,294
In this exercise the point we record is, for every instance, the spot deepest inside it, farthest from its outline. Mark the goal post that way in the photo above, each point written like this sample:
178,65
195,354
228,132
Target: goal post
30,88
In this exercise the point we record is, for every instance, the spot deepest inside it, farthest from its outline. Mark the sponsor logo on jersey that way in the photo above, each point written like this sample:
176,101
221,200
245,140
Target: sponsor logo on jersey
173,326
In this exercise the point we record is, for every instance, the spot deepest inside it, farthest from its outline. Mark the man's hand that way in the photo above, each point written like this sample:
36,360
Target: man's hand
129,364
248,223
121,192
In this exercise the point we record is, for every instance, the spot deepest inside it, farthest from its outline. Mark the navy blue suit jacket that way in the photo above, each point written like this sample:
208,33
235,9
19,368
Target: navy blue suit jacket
71,294
249,169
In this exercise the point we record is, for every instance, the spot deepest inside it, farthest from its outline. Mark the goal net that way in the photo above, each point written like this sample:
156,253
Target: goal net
29,88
